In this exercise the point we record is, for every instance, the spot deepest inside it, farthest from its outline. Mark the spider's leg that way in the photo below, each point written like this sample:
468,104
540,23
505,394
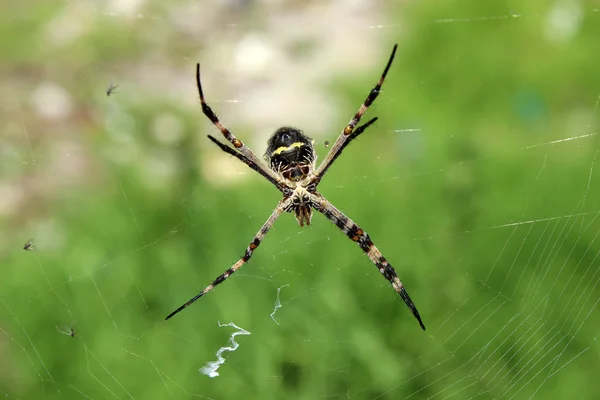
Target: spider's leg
356,234
347,132
353,136
249,163
238,144
281,207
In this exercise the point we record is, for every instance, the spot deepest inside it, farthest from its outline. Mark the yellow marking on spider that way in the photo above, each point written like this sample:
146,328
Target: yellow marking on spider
288,148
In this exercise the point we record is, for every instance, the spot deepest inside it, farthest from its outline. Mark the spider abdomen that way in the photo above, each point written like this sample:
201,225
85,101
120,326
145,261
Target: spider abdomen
291,154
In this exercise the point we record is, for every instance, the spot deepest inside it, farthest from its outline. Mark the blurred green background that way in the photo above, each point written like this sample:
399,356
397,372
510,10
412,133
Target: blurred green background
478,182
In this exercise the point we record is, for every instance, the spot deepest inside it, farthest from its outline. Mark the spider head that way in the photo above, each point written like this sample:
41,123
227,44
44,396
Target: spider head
290,153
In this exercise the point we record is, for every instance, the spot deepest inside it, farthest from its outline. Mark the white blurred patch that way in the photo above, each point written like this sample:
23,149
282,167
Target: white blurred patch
253,54
74,21
125,6
564,20
52,101
10,198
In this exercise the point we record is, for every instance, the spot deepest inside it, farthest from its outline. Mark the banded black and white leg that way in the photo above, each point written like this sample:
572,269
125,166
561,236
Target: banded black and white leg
352,136
356,234
278,184
238,144
346,134
282,206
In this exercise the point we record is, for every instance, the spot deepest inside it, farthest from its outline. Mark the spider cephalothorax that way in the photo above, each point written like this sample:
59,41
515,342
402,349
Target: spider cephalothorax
291,154
291,169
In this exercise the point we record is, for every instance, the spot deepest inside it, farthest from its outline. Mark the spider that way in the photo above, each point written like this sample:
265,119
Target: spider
291,168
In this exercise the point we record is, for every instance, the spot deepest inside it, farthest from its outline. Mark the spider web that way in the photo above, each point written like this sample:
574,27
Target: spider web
478,183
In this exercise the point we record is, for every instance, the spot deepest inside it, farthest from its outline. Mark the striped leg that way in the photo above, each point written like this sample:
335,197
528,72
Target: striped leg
281,206
347,132
356,234
249,163
238,144
354,134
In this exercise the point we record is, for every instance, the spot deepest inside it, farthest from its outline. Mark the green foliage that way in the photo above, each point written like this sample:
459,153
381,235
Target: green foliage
128,223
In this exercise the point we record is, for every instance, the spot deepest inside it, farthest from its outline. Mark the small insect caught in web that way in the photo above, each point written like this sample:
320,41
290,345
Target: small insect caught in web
112,88
29,245
69,331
